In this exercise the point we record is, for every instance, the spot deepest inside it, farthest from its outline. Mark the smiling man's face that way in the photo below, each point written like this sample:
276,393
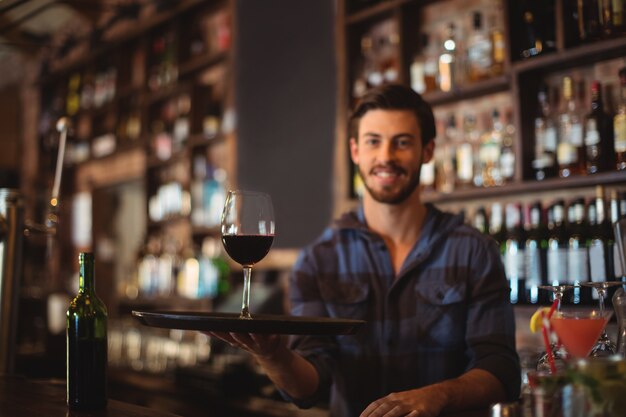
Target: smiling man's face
389,154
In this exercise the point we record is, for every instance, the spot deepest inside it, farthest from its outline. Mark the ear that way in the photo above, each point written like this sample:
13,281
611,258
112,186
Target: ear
428,151
354,151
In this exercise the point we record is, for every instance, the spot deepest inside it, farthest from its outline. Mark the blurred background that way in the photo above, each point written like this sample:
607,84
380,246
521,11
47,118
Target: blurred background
171,103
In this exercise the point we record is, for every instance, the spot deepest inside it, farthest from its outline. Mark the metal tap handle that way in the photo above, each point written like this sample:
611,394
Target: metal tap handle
63,125
50,226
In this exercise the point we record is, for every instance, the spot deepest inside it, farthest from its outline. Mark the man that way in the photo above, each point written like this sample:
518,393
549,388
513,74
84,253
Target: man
440,330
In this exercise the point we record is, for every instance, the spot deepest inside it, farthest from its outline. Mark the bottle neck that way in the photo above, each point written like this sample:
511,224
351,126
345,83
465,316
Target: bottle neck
596,103
86,279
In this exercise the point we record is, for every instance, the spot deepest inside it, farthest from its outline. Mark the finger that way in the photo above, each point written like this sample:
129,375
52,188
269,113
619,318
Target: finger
413,413
243,339
265,340
375,409
395,411
224,337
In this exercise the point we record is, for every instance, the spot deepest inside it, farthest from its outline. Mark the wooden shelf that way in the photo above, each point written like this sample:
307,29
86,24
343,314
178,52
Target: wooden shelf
204,231
176,157
375,10
465,92
526,187
202,62
168,91
142,26
168,221
201,140
576,56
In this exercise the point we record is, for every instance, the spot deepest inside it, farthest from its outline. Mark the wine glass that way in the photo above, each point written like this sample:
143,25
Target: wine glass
247,234
558,352
604,346
579,329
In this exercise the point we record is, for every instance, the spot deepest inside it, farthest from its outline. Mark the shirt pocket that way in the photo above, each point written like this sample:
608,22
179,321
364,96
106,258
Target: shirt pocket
346,299
441,315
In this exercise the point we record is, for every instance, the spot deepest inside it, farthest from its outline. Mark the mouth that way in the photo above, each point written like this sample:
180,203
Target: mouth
387,173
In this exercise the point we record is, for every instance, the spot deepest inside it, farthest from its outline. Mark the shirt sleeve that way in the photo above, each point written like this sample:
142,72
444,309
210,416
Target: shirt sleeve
320,351
491,322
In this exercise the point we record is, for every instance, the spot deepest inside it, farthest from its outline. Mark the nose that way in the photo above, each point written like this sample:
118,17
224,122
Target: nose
386,152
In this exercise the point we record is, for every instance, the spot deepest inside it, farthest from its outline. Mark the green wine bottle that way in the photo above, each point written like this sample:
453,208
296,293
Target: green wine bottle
86,343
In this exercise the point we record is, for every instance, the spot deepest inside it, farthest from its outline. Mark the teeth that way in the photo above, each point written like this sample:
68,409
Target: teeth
386,174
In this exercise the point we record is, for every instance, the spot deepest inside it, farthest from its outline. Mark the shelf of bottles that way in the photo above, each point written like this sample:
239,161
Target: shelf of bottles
557,65
551,240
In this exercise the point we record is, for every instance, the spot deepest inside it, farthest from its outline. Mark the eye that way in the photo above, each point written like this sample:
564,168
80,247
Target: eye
403,143
372,141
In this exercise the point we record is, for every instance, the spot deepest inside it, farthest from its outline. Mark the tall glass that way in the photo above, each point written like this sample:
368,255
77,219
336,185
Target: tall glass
247,234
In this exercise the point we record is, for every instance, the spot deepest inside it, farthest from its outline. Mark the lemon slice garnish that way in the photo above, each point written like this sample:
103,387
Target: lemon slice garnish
536,319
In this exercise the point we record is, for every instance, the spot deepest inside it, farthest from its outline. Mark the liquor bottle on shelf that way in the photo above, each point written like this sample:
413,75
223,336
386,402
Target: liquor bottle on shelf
498,44
577,252
490,151
480,221
86,343
464,158
615,213
619,124
424,67
535,252
611,17
536,23
445,165
570,151
214,270
182,123
598,134
496,231
600,240
479,50
507,153
448,65
544,164
556,254
512,249
589,20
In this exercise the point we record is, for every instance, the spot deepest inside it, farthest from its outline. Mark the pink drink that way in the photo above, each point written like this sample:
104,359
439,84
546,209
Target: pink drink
579,331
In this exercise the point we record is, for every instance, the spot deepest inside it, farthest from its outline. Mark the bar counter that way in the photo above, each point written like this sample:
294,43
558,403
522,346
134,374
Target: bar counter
20,397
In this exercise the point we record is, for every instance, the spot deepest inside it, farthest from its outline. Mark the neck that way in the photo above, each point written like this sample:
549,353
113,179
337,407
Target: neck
400,223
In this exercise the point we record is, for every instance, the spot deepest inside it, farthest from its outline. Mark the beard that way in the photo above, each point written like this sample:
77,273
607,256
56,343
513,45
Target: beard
387,196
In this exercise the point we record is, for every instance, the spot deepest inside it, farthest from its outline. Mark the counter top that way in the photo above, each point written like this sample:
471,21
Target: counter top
20,397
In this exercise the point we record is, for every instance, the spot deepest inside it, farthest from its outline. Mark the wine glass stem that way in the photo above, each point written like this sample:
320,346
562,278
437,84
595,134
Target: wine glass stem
601,297
245,310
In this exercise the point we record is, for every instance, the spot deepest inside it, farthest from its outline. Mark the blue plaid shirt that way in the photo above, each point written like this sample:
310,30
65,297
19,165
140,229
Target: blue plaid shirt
446,312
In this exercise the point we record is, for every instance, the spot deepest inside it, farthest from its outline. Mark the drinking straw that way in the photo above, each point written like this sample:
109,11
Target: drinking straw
546,342
553,307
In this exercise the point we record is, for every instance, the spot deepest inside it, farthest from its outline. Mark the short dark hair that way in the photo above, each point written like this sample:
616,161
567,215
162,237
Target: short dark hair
395,97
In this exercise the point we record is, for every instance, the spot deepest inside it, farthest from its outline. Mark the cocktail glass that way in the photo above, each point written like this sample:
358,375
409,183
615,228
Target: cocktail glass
579,329
558,352
604,346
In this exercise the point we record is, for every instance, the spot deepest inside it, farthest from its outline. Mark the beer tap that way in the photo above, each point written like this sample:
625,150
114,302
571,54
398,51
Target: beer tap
49,227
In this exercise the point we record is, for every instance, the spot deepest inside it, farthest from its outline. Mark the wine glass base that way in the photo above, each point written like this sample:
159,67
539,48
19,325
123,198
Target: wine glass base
603,348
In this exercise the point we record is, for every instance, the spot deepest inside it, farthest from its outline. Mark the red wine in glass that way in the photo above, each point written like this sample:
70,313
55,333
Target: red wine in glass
247,249
247,234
